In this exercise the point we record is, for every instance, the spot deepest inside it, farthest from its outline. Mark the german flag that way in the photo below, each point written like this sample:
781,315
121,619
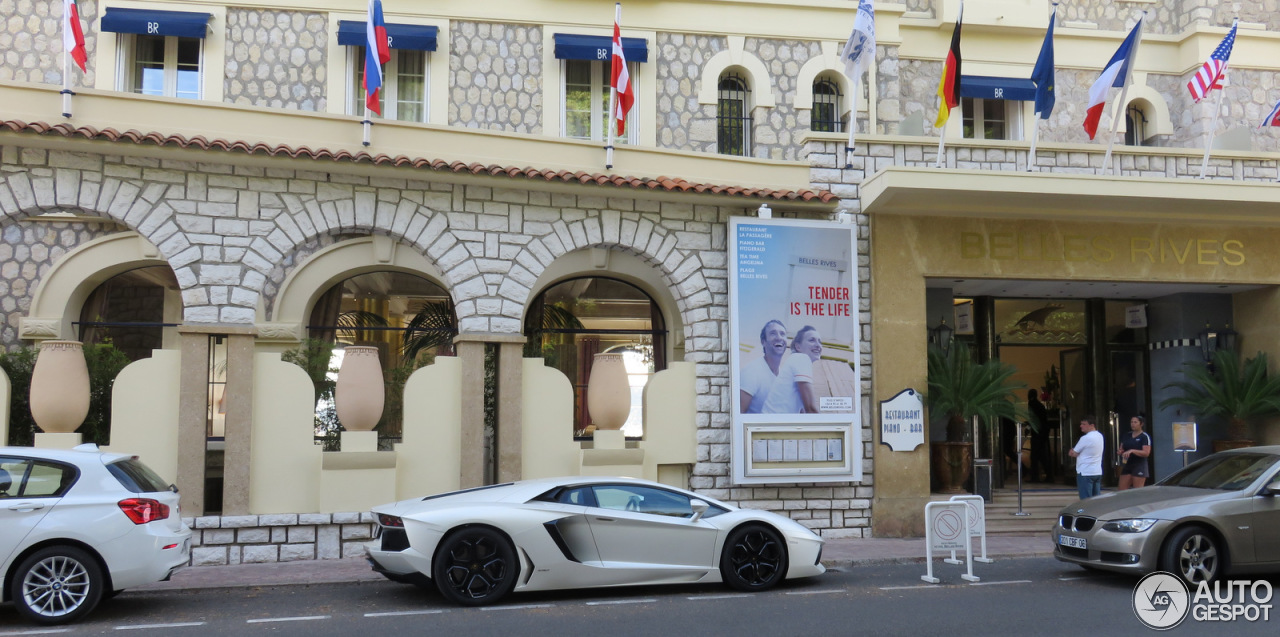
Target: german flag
949,87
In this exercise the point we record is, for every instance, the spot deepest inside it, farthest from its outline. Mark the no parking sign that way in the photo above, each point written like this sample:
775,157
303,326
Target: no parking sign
946,528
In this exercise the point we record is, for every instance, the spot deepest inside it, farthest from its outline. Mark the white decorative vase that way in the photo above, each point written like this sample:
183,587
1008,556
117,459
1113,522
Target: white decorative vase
360,393
608,392
60,387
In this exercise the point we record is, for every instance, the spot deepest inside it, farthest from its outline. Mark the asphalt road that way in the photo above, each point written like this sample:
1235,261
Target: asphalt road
1031,596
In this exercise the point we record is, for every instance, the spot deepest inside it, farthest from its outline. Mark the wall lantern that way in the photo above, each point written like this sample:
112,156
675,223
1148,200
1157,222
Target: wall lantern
941,336
1212,340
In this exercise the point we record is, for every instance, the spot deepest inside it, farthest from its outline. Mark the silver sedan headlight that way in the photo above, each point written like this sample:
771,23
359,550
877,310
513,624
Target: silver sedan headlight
1136,525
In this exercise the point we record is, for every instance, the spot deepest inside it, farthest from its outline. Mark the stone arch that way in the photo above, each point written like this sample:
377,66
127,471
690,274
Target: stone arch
827,63
624,265
1152,103
737,58
68,283
328,266
678,279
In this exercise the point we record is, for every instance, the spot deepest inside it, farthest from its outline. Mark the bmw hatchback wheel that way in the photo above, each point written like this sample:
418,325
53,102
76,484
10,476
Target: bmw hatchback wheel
56,585
475,566
754,558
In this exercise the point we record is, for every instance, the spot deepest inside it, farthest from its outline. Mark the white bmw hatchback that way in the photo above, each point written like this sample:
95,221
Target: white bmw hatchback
79,525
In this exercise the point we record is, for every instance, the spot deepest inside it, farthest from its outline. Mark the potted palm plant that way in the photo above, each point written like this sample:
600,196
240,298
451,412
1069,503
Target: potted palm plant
1239,392
961,389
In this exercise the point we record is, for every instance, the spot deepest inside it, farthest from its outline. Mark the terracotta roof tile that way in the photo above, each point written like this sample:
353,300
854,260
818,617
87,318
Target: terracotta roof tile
669,184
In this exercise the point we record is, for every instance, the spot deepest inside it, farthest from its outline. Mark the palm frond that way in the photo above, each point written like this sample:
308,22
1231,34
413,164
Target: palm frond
435,325
962,389
1229,389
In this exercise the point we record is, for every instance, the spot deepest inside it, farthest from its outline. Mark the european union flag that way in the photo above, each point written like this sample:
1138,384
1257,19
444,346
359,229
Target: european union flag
1042,75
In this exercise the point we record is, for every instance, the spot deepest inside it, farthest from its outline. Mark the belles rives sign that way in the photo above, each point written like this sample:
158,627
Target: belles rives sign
793,295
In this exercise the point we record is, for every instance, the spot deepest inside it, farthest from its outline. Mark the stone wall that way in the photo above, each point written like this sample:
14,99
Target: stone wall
496,77
258,539
683,123
27,250
777,128
31,41
278,59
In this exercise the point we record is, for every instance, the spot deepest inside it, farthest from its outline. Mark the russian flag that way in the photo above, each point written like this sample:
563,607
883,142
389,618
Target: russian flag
1115,74
376,53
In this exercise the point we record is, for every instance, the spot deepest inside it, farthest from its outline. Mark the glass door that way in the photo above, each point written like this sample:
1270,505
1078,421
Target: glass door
1127,394
1073,404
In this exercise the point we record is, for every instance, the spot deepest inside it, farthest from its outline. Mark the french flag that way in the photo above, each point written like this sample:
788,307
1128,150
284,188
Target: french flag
376,53
1116,73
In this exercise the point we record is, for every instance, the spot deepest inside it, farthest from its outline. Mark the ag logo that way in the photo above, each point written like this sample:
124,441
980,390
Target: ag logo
1161,601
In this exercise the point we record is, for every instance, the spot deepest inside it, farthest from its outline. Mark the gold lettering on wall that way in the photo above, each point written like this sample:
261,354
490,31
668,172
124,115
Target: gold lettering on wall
1031,246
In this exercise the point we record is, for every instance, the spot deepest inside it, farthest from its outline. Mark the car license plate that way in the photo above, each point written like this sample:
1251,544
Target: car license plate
1072,542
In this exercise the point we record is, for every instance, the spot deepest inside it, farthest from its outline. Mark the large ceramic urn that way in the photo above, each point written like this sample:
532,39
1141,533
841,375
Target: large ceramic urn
360,392
60,387
608,392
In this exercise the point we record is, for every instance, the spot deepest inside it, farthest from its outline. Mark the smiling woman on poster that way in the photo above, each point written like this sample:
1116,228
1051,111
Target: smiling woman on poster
792,392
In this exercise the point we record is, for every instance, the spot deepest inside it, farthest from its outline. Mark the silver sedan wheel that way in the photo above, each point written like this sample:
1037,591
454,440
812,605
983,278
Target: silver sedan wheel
1197,558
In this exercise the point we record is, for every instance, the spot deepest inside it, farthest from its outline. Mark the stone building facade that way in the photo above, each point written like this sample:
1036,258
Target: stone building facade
493,202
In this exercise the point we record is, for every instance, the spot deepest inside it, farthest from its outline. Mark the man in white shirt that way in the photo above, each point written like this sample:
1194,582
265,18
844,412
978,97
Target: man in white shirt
758,375
1088,455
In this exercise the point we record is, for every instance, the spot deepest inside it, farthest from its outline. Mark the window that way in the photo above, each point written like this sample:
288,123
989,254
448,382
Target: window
162,65
129,311
641,499
733,116
579,318
991,119
1135,126
404,85
825,117
585,103
161,52
25,478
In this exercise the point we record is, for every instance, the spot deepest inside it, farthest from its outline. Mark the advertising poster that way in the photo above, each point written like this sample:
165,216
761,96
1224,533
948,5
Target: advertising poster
793,287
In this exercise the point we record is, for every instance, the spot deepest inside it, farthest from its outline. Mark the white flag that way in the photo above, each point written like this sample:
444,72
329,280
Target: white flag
860,51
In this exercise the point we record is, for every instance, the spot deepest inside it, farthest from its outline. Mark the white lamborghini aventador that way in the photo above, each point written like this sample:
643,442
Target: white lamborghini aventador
579,532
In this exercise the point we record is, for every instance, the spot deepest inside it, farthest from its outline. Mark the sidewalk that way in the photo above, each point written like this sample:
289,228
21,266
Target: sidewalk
836,553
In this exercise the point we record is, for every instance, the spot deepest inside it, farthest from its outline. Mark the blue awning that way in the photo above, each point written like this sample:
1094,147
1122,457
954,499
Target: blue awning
184,24
599,47
997,88
409,37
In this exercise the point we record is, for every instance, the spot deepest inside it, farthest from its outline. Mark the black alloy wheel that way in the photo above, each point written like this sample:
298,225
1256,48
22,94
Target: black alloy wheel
754,558
56,585
475,566
1193,554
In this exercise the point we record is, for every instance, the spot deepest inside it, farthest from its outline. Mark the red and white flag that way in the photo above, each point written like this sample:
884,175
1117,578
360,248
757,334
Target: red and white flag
620,82
73,34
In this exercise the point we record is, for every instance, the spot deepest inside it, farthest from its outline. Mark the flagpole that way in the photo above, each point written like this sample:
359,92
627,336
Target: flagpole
942,137
613,96
367,123
1208,134
66,78
853,121
1115,119
1035,136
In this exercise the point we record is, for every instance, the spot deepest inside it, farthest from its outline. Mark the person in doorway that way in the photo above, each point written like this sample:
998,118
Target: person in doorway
793,392
1135,448
758,375
1088,455
1041,467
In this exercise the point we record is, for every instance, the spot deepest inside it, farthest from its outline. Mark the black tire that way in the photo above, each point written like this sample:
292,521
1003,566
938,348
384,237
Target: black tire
1194,554
754,558
57,585
475,566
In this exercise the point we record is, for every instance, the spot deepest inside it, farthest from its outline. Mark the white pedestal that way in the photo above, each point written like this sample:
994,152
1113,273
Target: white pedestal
609,439
609,456
359,441
58,441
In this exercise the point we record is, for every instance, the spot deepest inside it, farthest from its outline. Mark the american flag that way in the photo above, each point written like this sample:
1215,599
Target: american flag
1209,75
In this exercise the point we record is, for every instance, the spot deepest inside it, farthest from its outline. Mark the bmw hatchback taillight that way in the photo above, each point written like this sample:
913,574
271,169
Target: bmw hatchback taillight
144,510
